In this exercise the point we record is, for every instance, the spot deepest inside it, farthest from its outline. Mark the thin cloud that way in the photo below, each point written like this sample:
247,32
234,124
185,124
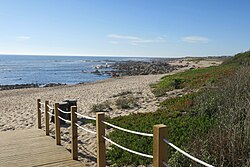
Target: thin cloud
114,42
23,38
195,39
156,40
132,40
117,36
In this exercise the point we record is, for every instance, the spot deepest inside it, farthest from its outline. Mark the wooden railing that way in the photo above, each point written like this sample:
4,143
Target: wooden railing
160,136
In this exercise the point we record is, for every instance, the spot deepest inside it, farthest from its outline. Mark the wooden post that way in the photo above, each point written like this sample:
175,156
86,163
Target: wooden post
57,124
100,141
74,143
160,149
46,116
38,114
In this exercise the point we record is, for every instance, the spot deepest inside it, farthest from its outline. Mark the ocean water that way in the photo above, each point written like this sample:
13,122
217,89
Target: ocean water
17,69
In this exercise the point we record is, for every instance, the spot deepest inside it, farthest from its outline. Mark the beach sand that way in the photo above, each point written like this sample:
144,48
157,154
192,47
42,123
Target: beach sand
18,107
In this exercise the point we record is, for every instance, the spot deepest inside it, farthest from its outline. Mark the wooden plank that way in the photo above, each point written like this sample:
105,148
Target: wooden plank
66,163
22,150
35,150
23,134
30,141
35,158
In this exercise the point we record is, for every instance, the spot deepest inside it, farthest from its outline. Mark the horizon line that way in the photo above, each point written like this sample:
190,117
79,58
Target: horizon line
111,55
81,55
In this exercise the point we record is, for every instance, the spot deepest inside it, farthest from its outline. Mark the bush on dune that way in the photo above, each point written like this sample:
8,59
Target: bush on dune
181,128
227,144
212,124
192,79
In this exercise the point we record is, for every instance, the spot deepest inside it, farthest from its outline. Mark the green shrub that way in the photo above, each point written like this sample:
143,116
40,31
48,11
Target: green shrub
239,59
182,104
123,94
216,124
177,83
102,107
181,128
230,137
126,102
192,79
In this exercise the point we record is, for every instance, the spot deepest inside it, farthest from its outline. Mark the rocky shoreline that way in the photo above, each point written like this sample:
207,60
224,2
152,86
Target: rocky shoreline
154,66
31,85
125,68
131,68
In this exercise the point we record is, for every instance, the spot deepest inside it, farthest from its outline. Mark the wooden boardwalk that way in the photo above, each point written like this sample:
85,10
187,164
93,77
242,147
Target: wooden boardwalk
32,148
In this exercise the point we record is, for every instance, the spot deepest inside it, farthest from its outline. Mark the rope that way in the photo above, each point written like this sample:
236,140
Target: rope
85,129
126,149
51,108
165,164
64,119
65,112
87,117
42,103
51,114
186,154
129,131
41,110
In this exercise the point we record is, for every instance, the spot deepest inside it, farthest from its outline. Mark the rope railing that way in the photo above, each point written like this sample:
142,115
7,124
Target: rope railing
83,116
65,112
186,154
64,119
129,131
51,108
87,130
165,164
41,103
159,135
126,149
51,114
41,110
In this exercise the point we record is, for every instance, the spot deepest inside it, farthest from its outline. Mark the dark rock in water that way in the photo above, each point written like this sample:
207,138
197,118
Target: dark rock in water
81,83
101,66
97,72
53,84
23,86
83,71
18,86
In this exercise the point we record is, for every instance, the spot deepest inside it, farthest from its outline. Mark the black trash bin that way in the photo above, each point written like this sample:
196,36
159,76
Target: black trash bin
70,103
52,118
65,106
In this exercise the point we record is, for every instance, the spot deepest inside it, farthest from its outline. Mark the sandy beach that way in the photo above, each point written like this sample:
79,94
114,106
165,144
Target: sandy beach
18,107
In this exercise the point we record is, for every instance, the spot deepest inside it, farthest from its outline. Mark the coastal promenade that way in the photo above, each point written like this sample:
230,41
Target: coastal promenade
32,148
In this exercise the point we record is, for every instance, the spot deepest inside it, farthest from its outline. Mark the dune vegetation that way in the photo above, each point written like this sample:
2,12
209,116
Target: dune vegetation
211,122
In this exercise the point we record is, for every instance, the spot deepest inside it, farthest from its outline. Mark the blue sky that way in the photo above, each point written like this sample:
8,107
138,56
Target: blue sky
155,28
